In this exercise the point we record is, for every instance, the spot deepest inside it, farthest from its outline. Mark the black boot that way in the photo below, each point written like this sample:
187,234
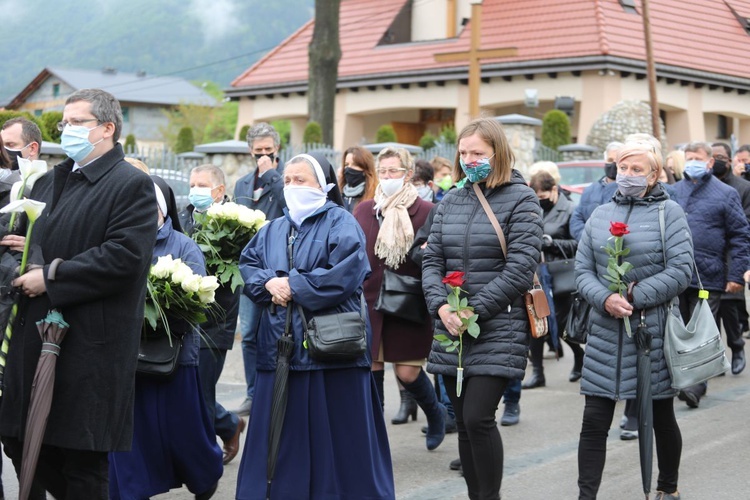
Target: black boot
378,376
424,392
536,379
407,409
577,371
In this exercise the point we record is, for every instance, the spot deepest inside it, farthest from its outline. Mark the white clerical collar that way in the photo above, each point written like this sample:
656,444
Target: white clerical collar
76,166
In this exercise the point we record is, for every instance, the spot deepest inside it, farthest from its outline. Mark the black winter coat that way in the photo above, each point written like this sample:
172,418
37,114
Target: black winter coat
556,226
463,239
102,222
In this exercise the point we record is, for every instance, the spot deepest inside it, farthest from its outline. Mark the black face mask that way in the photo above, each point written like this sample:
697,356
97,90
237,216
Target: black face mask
13,155
353,177
720,168
610,170
546,204
272,156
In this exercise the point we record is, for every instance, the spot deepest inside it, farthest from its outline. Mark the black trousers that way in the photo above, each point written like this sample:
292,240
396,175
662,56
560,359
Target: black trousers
480,446
592,446
67,474
729,314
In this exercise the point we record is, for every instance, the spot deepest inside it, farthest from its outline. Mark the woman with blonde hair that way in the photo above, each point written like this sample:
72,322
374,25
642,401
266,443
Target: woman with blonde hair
675,163
463,239
661,270
357,179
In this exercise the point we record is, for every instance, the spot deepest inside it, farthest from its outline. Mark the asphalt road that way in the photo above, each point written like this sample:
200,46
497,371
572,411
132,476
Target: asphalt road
540,452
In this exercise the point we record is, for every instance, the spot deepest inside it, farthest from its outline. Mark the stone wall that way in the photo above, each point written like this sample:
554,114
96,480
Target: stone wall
521,133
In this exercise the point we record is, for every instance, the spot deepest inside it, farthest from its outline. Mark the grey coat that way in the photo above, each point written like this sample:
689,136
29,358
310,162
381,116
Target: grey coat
462,239
609,367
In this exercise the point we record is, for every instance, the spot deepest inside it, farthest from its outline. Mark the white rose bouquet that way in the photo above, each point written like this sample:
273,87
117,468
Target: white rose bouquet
176,293
222,232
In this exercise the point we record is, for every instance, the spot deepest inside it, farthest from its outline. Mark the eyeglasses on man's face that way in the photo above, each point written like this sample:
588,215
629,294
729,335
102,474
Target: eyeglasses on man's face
390,172
76,123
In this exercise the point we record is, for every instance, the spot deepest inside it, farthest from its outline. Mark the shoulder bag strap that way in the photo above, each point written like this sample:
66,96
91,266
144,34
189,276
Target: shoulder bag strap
662,226
496,225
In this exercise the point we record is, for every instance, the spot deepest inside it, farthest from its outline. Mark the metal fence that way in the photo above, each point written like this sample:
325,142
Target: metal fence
543,153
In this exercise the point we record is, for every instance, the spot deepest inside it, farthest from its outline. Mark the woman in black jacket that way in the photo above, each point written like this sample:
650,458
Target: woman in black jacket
462,239
557,244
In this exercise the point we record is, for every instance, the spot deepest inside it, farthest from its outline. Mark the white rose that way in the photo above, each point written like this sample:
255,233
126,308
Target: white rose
216,211
208,283
181,274
232,211
163,267
191,284
207,297
249,217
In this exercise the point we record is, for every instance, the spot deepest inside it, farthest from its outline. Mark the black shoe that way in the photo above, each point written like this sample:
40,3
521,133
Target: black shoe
536,380
511,415
450,425
627,435
738,362
207,494
455,464
575,375
407,409
691,398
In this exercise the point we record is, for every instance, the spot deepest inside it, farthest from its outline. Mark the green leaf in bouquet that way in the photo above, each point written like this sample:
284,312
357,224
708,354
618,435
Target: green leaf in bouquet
451,348
151,315
611,279
473,329
237,281
625,267
440,337
464,303
614,287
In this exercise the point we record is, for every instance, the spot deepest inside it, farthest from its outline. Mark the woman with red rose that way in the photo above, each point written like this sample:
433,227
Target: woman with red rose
658,274
462,239
389,222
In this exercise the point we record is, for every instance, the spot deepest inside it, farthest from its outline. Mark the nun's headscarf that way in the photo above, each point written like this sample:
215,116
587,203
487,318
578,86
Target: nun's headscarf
167,195
325,174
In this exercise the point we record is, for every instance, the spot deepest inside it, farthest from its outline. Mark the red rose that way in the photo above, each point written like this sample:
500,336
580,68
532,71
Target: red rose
618,228
456,278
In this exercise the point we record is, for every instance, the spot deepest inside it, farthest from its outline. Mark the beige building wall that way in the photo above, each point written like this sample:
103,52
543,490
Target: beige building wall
429,20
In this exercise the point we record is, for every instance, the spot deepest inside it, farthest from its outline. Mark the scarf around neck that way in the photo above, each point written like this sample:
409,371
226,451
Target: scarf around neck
396,234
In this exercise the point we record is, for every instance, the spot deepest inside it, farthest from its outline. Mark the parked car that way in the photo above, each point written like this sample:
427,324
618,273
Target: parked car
178,181
575,176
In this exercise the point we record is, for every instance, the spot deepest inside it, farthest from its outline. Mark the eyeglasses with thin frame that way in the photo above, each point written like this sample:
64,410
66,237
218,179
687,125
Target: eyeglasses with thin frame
76,123
389,171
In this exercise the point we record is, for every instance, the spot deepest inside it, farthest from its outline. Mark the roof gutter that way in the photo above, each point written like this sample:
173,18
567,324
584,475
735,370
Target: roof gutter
505,69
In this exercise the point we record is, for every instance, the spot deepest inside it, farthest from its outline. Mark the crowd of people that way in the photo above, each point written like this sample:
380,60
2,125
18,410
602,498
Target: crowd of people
336,237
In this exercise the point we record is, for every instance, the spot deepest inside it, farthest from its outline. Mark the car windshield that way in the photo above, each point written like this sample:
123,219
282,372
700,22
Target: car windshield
580,175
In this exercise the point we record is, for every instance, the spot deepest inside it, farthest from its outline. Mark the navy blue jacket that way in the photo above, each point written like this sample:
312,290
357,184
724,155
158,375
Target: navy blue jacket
330,265
719,228
180,246
271,201
598,193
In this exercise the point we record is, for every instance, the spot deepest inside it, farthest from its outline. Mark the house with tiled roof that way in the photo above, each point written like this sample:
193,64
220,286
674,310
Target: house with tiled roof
143,97
589,53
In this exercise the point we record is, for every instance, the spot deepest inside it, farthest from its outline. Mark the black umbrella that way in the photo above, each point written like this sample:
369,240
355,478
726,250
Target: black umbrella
52,329
644,403
285,346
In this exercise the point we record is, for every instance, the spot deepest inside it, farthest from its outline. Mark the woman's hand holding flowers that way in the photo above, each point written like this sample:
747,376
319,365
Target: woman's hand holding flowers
618,306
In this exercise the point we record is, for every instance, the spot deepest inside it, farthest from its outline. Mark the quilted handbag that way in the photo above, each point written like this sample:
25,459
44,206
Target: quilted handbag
402,296
336,337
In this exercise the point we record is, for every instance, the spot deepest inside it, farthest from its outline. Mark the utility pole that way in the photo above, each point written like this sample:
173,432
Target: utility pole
324,53
651,72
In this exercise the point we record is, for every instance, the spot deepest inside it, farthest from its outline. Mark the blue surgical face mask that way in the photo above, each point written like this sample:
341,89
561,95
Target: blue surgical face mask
632,185
425,192
478,170
75,142
200,198
696,169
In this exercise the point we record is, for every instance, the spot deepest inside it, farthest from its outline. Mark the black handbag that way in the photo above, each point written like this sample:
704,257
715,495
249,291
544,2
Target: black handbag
563,273
157,357
336,337
402,297
577,327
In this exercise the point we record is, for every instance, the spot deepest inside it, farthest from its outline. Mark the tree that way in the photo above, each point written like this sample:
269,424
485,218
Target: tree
185,142
555,129
130,144
324,53
6,115
313,134
385,134
243,133
427,141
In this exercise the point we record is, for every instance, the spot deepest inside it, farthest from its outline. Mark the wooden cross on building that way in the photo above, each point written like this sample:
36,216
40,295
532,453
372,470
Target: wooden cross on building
474,55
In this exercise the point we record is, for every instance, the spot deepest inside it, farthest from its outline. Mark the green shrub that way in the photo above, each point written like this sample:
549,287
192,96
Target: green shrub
427,141
185,141
313,133
243,133
8,114
130,144
448,135
284,128
49,120
385,134
555,129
